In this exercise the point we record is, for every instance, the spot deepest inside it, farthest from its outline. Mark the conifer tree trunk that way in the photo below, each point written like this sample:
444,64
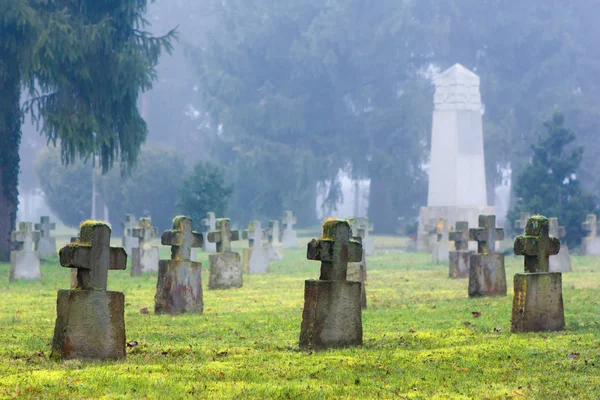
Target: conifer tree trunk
10,139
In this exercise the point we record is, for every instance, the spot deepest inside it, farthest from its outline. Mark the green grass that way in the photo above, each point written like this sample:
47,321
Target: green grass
420,340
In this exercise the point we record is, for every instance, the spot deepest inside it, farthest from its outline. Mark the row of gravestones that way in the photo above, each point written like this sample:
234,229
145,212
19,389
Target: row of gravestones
90,320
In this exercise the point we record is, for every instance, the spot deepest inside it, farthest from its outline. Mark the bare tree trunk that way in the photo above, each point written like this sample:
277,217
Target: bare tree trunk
10,139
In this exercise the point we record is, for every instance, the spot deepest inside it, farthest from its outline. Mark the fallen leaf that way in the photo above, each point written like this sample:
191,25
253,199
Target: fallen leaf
517,393
144,310
476,314
411,330
467,323
132,344
572,355
222,375
497,330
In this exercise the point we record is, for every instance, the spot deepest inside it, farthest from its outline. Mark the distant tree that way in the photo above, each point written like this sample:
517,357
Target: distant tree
548,185
83,64
204,190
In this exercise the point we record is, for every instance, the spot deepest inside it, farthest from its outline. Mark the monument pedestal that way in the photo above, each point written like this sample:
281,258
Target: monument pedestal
225,270
90,324
538,302
332,315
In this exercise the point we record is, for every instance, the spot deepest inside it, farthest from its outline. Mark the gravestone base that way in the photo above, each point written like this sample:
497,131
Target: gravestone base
562,261
538,302
369,246
357,272
459,264
289,239
246,259
24,265
332,315
144,259
273,254
179,287
225,271
487,276
452,214
90,324
208,246
129,242
440,253
46,247
591,246
258,262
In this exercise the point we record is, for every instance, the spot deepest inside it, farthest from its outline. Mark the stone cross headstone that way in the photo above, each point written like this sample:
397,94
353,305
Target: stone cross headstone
25,262
441,250
460,258
179,285
591,243
332,309
521,223
537,303
225,267
144,258
487,275
209,224
289,239
90,321
128,241
357,271
46,244
255,260
273,244
562,261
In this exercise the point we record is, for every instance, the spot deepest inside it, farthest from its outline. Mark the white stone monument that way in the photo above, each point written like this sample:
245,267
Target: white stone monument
457,187
25,262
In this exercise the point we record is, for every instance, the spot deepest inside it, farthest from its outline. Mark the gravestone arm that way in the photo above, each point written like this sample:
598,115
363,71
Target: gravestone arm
213,237
320,250
355,250
75,256
118,258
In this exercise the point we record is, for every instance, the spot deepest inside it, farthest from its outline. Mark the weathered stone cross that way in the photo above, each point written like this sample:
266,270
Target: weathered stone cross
486,234
181,238
537,246
288,220
209,222
92,256
460,236
129,224
521,223
273,232
25,236
590,225
45,227
223,236
335,249
360,226
556,230
144,231
254,233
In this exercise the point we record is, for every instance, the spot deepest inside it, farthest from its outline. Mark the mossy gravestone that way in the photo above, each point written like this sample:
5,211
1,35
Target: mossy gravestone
225,267
332,311
289,239
460,257
560,262
90,321
128,241
46,243
255,260
487,276
591,243
24,262
440,251
272,247
144,257
538,303
179,284
357,271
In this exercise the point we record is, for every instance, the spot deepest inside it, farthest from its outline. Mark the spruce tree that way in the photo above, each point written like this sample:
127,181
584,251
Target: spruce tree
548,185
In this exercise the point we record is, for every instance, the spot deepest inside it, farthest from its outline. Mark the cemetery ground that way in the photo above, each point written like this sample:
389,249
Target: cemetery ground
423,338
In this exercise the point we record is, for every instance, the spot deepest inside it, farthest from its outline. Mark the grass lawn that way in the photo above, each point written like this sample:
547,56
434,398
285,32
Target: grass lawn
420,339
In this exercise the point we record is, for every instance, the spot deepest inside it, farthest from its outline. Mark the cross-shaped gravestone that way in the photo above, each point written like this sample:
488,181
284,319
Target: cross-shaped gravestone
46,244
590,225
144,231
255,257
335,249
128,240
556,230
92,256
288,234
144,256
24,262
536,245
223,236
560,262
25,237
273,241
521,223
254,234
486,234
460,236
181,238
45,226
209,224
361,227
357,271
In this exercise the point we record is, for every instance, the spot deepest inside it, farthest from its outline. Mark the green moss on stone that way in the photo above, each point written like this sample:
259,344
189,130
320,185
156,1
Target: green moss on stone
87,230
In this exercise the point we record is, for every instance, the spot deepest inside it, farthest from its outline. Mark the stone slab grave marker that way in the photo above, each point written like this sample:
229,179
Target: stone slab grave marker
209,224
90,321
144,258
460,258
255,259
487,275
289,239
357,271
591,243
562,261
46,244
225,267
273,244
440,251
332,310
521,223
128,241
25,262
179,284
538,302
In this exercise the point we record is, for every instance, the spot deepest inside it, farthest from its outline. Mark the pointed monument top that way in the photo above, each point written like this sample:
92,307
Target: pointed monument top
457,75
